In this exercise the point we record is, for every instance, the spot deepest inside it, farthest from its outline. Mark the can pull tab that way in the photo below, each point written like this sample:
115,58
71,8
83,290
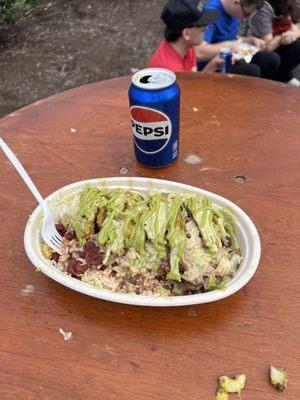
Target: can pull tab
157,78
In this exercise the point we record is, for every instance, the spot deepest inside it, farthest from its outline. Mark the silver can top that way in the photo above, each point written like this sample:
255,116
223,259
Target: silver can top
153,78
225,50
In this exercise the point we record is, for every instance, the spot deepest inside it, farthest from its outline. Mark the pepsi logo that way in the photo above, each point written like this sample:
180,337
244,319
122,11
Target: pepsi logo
151,129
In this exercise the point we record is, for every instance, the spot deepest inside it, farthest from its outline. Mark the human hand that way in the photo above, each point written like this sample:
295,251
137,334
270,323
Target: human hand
261,44
288,37
214,64
234,46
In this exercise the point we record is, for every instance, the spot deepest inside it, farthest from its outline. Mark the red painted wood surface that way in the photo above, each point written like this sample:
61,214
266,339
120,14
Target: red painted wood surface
238,127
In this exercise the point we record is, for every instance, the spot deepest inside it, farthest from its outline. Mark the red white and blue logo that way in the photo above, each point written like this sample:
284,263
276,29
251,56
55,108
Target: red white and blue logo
151,129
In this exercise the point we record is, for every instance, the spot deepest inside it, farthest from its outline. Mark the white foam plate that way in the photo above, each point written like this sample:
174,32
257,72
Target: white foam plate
248,57
246,233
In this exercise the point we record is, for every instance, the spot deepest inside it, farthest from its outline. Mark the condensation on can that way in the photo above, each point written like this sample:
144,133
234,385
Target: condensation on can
154,99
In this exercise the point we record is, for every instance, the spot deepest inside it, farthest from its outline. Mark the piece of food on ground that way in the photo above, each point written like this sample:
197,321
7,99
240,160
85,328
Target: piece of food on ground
220,395
278,377
232,385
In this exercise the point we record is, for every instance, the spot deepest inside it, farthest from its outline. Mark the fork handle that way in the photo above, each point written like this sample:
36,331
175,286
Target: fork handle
16,163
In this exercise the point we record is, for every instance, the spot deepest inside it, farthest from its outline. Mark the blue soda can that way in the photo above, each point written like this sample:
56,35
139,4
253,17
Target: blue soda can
154,99
227,57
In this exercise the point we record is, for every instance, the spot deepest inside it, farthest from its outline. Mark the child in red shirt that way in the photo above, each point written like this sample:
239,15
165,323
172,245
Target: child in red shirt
281,25
286,12
167,57
185,22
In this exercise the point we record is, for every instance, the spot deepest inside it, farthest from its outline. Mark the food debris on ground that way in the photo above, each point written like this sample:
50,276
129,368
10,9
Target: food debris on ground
66,335
27,290
193,159
123,171
278,377
220,395
192,312
235,385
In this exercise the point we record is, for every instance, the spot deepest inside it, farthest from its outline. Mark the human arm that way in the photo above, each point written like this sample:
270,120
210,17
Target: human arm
254,41
207,51
272,42
291,35
214,64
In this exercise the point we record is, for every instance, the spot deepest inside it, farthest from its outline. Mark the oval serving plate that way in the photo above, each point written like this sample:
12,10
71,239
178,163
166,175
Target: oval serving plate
246,233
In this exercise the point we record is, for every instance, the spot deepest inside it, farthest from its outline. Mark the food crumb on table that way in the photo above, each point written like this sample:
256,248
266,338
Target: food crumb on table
278,377
234,385
193,159
66,335
27,290
192,312
123,170
220,395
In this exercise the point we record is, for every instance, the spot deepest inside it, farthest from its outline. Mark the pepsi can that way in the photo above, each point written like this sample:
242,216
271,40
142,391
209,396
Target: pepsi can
154,99
226,55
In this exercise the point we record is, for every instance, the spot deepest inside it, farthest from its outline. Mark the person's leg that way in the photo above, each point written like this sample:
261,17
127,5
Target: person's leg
246,69
290,58
268,61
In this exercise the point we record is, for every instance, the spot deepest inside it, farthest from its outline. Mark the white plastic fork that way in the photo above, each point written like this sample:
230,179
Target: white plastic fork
49,231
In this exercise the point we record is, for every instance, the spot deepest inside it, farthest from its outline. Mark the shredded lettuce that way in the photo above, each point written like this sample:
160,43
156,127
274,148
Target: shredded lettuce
138,235
196,260
212,284
115,243
203,214
156,224
176,238
196,240
107,233
82,221
229,222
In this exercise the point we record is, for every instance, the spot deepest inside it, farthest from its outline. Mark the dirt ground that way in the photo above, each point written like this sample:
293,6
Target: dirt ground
62,44
67,43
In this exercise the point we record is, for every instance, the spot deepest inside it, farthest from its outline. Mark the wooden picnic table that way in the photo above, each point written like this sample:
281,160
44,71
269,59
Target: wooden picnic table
239,138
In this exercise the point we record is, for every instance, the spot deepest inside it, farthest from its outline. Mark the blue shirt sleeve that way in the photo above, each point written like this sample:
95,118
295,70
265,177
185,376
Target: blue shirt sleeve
209,33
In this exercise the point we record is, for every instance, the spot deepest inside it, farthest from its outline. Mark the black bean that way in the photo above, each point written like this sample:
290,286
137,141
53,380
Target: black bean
165,265
75,267
227,242
93,258
55,256
60,229
89,246
70,235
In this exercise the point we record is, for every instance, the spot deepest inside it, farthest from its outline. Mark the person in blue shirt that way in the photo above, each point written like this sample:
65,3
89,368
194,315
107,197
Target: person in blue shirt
224,33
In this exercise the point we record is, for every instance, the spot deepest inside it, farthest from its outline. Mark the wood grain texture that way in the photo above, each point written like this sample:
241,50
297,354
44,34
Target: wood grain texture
243,126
